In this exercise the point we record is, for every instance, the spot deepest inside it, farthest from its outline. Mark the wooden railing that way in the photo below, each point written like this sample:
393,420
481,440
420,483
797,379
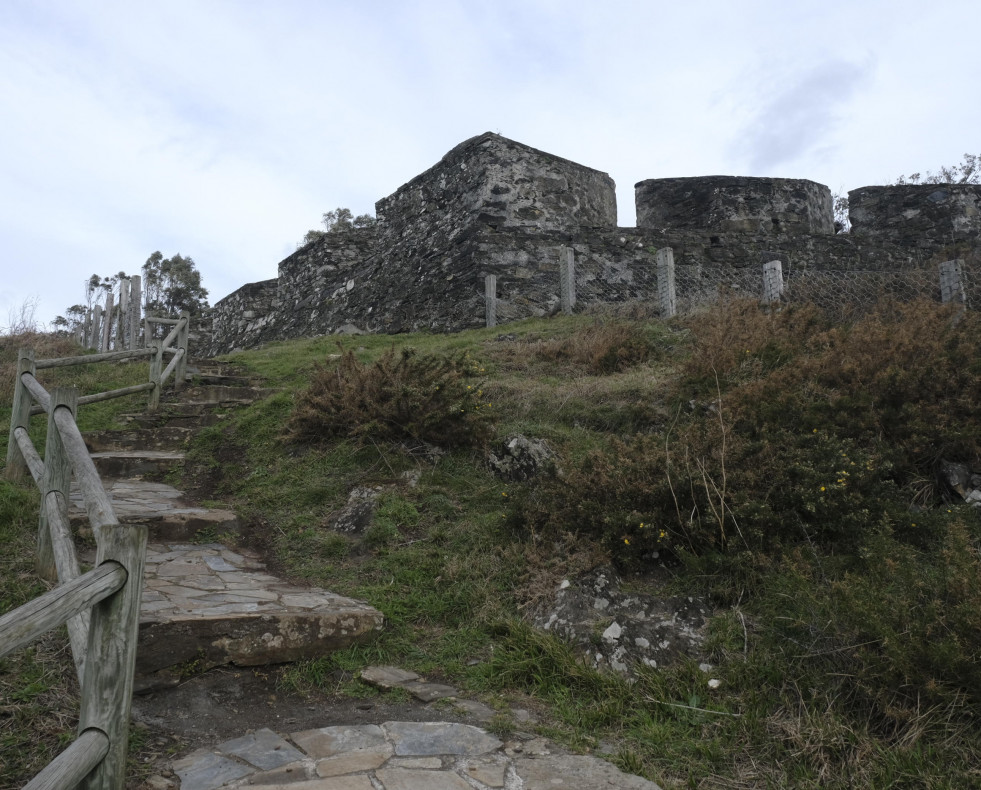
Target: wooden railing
101,607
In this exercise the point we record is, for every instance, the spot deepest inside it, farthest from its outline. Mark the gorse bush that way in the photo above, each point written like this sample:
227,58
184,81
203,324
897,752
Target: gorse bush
400,397
812,434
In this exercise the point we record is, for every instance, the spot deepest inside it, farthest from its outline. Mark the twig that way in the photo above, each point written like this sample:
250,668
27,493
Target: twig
690,707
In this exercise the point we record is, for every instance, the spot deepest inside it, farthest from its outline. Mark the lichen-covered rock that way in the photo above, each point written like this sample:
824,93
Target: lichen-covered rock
617,630
521,458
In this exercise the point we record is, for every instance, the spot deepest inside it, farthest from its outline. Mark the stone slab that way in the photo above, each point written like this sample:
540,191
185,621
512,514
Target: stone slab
211,605
430,738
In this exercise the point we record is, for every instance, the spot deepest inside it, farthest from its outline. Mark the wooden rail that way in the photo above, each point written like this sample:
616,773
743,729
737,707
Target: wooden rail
101,607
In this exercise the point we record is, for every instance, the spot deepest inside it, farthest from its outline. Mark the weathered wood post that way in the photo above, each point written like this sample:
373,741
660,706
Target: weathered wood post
96,327
107,692
122,335
567,279
57,478
667,296
20,416
156,368
107,324
490,299
180,373
772,282
135,297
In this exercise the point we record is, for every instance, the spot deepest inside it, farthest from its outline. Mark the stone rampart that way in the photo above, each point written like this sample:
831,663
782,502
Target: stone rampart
918,216
494,206
732,204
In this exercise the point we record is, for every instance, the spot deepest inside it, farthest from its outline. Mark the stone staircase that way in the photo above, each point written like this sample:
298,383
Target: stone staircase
205,604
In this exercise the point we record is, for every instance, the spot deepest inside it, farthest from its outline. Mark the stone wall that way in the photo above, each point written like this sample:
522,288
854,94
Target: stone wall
918,216
731,204
494,206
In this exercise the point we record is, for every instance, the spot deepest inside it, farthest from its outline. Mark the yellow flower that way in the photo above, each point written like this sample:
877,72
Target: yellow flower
627,541
822,488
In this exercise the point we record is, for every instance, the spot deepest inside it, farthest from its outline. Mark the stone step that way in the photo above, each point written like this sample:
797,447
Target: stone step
167,515
166,437
136,463
209,605
216,394
177,416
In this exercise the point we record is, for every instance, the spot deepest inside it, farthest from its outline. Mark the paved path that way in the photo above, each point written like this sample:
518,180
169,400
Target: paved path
393,756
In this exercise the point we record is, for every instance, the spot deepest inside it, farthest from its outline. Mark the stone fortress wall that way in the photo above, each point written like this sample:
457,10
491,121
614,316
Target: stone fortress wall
495,206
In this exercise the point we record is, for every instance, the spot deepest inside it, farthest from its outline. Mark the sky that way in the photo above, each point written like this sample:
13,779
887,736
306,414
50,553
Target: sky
223,129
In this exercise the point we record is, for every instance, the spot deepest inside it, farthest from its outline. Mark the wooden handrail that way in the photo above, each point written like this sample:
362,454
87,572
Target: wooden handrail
38,392
26,623
68,569
155,320
98,506
85,359
70,767
171,366
31,457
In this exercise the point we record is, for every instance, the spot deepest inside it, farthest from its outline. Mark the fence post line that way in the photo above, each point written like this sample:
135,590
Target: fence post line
567,279
87,328
57,477
107,691
772,282
490,299
180,372
135,309
667,296
96,327
20,415
156,368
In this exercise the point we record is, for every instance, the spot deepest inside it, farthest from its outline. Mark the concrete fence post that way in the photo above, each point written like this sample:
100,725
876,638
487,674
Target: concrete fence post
952,282
567,279
772,282
667,296
490,299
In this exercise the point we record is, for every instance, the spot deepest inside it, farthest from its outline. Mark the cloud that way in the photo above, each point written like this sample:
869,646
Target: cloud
798,118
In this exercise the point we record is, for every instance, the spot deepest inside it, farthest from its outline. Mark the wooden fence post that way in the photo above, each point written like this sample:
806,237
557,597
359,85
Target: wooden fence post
135,309
567,279
772,282
107,324
667,296
490,299
122,333
96,327
107,692
20,416
156,368
180,373
57,477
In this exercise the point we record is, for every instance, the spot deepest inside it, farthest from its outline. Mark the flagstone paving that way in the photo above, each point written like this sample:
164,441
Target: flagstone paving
394,756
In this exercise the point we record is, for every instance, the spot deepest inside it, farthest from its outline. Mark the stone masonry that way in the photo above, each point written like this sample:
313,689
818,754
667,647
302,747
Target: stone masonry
493,206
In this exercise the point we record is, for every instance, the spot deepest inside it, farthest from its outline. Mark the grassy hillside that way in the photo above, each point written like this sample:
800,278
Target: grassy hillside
786,467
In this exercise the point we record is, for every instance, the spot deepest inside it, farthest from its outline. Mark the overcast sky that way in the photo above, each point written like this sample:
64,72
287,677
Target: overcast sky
223,129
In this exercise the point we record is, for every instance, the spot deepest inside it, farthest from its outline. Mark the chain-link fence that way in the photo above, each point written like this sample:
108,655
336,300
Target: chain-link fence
667,289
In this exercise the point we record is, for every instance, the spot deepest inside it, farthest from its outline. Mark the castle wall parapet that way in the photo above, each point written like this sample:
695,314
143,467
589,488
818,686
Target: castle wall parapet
917,215
735,204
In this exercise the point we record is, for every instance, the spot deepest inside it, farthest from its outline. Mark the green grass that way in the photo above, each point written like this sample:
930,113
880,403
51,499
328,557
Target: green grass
845,656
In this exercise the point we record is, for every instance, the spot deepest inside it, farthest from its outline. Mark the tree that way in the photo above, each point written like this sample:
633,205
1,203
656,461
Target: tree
336,221
171,285
967,171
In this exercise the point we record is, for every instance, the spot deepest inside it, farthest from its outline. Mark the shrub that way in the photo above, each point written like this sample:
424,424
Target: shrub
399,397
